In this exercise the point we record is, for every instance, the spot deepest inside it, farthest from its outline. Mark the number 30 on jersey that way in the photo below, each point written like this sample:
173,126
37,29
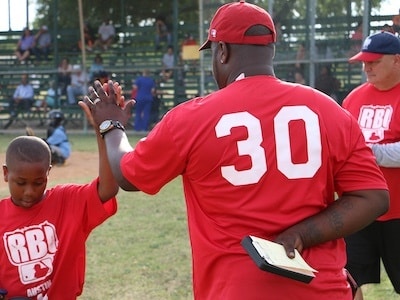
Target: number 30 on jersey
252,145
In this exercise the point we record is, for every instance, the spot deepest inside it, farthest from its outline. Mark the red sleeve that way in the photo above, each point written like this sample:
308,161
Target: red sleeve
157,160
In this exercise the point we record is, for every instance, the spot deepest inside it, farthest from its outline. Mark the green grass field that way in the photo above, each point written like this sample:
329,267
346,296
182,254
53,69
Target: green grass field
143,251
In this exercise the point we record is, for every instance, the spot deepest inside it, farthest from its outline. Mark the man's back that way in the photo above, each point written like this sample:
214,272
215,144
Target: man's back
261,156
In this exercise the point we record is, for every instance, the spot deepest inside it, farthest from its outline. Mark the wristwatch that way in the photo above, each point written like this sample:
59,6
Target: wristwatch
108,125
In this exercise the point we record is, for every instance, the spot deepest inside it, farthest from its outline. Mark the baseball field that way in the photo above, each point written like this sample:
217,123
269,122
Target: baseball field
143,251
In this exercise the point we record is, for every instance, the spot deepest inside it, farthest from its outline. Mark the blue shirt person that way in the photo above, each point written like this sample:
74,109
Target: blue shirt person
145,88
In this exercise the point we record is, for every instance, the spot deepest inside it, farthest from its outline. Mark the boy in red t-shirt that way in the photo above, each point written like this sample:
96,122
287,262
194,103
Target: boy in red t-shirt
44,231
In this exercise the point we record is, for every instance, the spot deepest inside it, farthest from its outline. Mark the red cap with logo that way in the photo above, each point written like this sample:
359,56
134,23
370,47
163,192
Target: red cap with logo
232,20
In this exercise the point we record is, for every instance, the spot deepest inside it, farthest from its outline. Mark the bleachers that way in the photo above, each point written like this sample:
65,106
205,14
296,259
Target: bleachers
134,51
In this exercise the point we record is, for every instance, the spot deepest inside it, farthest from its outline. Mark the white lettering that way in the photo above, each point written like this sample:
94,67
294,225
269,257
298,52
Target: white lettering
16,245
38,289
36,244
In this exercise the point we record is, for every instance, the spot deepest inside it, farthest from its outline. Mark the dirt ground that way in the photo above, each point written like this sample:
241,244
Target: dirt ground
80,167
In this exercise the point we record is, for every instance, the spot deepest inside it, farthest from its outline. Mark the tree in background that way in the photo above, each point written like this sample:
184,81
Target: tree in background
133,13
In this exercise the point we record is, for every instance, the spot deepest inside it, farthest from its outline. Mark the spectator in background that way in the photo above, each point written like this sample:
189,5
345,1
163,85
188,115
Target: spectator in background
102,76
155,110
57,138
51,95
300,56
22,100
77,87
356,39
396,23
96,67
327,83
145,88
23,96
168,63
106,35
64,75
189,40
388,28
299,76
88,36
49,101
25,45
162,32
189,54
42,44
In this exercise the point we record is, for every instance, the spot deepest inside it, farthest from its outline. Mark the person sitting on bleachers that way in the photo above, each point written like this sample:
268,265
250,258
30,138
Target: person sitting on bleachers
96,67
168,63
106,35
162,33
49,101
23,96
89,37
42,44
25,45
79,80
22,99
64,75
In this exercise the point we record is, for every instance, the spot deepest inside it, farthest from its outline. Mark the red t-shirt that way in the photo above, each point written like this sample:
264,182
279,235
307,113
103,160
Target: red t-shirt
42,249
378,114
256,158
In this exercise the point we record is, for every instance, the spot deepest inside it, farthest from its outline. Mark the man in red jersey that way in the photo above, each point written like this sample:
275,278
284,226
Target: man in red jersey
257,157
376,106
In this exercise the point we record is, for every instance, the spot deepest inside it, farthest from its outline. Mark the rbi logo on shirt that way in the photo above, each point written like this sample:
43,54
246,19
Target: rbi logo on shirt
32,250
374,120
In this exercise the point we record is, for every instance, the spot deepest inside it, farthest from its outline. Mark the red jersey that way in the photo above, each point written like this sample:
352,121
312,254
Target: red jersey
256,158
42,249
378,115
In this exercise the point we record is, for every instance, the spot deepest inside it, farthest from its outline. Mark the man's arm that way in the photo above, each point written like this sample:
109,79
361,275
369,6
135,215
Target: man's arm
107,103
348,214
387,155
118,145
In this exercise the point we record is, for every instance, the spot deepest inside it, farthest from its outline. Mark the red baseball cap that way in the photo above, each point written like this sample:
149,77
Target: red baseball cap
232,20
377,45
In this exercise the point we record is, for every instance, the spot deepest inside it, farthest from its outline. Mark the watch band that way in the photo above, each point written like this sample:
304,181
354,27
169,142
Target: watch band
111,124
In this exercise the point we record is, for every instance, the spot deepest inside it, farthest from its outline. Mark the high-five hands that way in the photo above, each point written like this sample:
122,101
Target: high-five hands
106,102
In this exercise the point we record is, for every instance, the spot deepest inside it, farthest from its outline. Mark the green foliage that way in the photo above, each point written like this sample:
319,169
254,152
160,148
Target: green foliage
133,13
121,12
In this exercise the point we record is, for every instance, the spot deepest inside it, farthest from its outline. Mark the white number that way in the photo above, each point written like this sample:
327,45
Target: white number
282,140
252,145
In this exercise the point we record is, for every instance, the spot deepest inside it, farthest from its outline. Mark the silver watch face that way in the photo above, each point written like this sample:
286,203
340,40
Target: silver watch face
105,125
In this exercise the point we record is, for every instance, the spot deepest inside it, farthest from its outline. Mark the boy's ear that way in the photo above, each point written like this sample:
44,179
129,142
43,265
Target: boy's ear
5,173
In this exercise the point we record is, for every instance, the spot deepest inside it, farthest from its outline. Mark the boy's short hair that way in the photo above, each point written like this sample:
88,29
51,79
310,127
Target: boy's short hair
28,149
